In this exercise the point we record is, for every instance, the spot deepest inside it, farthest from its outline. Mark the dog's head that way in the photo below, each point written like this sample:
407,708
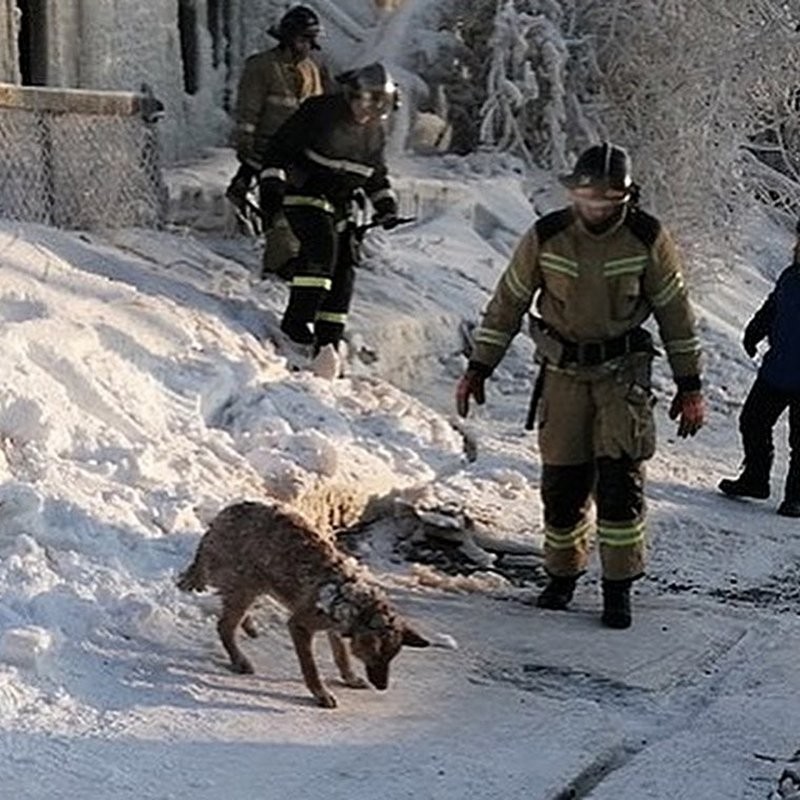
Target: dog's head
377,639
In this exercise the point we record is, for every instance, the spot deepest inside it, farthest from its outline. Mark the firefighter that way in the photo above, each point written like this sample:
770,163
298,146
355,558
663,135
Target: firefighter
272,86
314,166
777,386
596,270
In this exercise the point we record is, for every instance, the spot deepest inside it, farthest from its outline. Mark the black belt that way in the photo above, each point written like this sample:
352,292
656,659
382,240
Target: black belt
590,354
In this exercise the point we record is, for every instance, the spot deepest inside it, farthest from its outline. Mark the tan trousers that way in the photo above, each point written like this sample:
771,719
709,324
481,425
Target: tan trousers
596,428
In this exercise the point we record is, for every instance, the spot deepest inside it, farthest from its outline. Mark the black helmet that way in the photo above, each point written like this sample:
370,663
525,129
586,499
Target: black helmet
372,84
298,21
605,166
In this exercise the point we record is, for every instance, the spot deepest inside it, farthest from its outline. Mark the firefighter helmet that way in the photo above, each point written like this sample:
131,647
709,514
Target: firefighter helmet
373,87
296,22
605,166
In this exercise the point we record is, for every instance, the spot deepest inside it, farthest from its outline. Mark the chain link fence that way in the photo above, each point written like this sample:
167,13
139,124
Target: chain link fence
80,159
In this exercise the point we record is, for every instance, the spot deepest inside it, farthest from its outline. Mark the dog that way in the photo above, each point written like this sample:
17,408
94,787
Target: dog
251,549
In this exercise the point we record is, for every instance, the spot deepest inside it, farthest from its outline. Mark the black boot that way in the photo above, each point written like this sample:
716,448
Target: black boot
616,604
298,319
748,484
299,332
557,594
790,507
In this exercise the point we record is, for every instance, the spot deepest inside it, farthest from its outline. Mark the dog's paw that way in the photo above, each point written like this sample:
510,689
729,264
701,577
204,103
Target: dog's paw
355,682
326,700
242,667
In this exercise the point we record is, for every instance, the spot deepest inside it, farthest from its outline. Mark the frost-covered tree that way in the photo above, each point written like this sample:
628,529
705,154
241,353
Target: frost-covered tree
704,95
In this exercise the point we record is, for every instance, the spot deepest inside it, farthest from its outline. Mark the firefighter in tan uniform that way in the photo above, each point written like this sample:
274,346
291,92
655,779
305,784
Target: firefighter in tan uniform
273,85
596,271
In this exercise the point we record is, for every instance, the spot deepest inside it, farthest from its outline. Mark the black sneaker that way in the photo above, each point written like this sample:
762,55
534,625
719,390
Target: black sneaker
743,486
557,595
789,508
616,604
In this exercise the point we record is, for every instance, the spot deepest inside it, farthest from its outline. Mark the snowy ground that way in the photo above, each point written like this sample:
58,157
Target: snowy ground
142,393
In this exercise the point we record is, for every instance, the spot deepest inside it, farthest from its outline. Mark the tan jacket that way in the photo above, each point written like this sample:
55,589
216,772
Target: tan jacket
593,288
271,89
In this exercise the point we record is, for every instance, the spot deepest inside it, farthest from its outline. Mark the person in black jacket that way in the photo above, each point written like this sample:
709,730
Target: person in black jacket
777,386
329,149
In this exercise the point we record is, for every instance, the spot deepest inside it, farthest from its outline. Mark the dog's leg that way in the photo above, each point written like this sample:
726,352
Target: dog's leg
234,608
249,627
302,636
341,655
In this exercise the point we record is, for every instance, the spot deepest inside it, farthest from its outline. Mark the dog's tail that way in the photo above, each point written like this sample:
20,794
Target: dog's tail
193,578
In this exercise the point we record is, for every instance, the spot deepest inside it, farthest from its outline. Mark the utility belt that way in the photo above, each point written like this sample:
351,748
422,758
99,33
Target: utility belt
553,348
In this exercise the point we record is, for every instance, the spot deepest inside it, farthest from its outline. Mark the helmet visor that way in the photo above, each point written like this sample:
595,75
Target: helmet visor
373,103
597,198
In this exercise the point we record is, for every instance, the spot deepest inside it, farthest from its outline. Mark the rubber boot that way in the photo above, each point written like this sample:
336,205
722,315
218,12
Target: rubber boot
616,604
558,593
749,484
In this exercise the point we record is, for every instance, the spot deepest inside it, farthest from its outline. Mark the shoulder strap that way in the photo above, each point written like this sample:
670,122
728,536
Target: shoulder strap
551,224
643,226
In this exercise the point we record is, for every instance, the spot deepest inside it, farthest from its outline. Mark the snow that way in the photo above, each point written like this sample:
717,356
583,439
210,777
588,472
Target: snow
144,393
145,388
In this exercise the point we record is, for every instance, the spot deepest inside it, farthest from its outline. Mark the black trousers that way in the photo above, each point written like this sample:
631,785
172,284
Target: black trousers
761,410
324,271
617,487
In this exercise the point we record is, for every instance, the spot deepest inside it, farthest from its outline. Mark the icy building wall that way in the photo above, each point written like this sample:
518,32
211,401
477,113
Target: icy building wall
189,52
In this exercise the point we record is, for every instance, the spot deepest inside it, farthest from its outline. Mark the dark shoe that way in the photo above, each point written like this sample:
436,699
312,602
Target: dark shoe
745,486
557,594
298,332
789,508
616,604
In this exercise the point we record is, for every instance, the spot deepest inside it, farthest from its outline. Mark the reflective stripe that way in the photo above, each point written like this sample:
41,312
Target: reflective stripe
681,347
311,282
555,257
332,316
516,285
620,534
287,101
274,172
492,337
246,127
554,263
672,286
567,539
340,164
383,193
625,266
305,200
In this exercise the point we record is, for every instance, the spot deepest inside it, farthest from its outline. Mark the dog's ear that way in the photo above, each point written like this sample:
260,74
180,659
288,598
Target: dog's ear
412,639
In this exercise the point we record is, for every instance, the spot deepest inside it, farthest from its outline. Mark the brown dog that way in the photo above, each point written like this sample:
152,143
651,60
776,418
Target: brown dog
252,549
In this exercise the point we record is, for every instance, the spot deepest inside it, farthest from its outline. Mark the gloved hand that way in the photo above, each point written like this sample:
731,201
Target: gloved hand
270,198
386,213
470,385
750,341
691,409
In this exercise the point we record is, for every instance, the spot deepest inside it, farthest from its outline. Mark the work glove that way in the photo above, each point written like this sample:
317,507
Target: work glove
750,341
270,197
386,213
691,409
470,385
